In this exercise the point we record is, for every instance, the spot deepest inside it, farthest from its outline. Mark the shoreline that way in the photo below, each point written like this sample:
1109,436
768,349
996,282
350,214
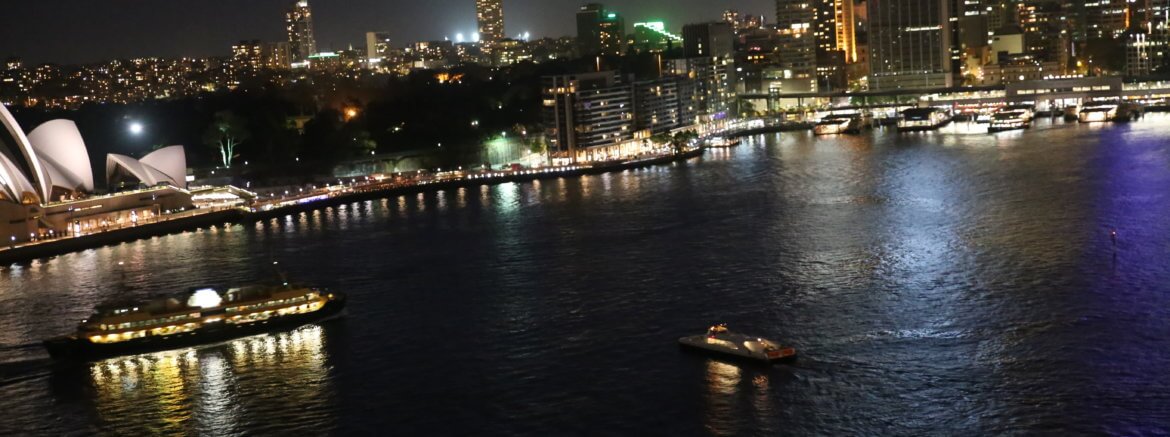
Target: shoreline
48,249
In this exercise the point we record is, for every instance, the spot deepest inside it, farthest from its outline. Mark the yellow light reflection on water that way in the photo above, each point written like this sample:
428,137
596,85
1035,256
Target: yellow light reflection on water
209,390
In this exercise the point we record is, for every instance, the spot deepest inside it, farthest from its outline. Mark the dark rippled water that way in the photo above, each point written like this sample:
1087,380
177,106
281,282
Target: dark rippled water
936,284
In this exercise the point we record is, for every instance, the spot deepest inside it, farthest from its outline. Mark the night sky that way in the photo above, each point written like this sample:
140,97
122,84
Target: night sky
79,31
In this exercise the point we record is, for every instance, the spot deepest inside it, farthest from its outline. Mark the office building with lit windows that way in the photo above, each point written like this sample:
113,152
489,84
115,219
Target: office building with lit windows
587,111
795,52
909,44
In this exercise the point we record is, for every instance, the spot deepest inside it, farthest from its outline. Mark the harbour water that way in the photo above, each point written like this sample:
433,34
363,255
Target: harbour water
934,283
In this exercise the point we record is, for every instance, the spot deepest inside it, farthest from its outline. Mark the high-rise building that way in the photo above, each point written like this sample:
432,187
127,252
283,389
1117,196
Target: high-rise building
1148,41
909,44
299,24
377,46
600,31
1105,19
1044,35
708,39
834,27
796,45
490,16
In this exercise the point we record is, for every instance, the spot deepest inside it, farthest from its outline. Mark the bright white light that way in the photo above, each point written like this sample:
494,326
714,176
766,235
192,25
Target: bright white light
136,128
475,37
204,298
458,37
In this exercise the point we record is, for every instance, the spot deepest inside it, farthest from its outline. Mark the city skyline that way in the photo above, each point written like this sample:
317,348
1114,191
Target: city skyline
200,28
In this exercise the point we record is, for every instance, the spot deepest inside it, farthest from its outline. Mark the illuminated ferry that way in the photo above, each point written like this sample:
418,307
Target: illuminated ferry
1011,117
841,122
718,142
719,340
916,119
200,316
1108,111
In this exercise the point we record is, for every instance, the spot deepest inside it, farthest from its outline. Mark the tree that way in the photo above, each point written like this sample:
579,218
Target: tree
226,133
681,139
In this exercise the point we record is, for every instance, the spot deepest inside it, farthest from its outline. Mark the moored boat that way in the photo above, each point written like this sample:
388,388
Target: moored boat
718,142
1109,111
1011,117
719,340
840,122
198,317
920,119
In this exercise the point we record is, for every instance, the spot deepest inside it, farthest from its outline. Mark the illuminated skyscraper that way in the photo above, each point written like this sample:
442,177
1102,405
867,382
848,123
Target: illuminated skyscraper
909,44
796,43
299,24
490,15
835,27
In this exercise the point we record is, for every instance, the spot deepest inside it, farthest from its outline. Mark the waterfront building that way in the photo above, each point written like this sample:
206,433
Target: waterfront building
708,40
665,104
599,31
795,54
587,116
715,79
299,27
909,44
490,17
47,185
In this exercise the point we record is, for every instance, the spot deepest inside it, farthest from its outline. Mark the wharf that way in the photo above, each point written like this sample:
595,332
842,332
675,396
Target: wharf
313,201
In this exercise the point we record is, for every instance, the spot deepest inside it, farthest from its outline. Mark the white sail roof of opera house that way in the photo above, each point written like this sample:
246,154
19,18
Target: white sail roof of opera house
18,160
165,165
63,156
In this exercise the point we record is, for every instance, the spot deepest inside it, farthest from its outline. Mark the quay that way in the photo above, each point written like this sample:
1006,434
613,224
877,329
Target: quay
318,199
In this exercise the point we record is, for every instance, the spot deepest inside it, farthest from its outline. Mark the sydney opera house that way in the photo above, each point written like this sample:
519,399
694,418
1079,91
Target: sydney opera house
47,184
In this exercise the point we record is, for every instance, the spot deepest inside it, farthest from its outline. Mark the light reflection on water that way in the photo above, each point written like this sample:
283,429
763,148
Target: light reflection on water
935,284
207,390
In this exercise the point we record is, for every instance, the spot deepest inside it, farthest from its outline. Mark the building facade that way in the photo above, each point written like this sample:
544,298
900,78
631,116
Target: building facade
586,111
489,15
665,104
708,39
796,54
299,26
600,31
909,44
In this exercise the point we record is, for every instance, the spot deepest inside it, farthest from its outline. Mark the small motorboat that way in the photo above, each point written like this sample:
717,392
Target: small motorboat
719,340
